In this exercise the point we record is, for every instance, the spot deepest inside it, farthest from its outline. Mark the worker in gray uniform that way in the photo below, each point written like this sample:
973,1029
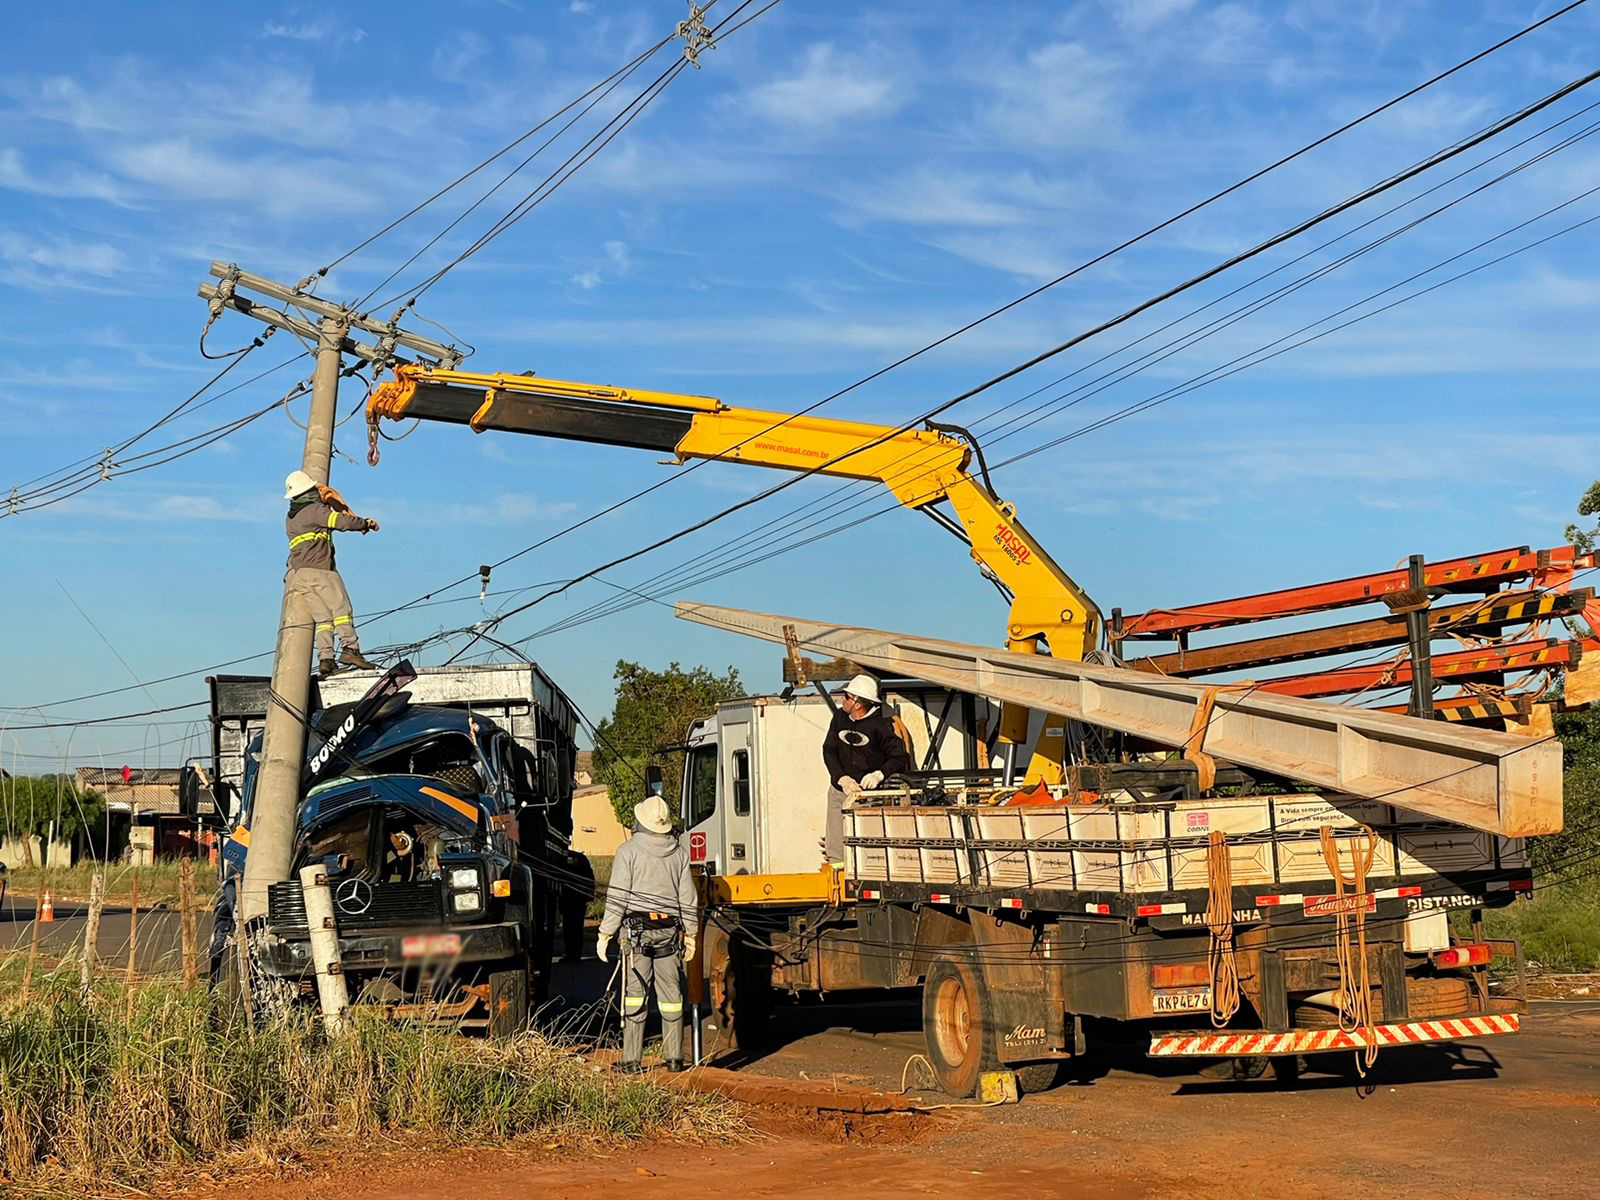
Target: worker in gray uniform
651,901
316,513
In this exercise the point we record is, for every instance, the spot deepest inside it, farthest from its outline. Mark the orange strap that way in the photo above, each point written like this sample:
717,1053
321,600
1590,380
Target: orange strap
331,498
1193,745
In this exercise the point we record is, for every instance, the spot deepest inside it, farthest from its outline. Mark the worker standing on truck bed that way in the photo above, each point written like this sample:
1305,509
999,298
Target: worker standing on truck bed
862,748
316,512
651,899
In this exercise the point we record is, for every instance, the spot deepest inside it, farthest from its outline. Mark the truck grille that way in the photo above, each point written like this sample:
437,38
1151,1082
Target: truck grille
392,906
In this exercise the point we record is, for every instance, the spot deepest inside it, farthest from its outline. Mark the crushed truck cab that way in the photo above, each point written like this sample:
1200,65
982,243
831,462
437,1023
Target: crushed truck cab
445,839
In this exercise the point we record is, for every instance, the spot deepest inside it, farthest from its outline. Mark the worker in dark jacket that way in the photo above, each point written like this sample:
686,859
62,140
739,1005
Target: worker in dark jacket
315,514
862,749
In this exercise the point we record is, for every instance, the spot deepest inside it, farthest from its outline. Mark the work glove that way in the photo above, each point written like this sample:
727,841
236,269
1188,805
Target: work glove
689,945
872,779
602,948
371,525
849,787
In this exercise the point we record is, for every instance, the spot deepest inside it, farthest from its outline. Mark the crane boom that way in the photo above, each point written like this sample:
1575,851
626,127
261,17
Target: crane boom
921,468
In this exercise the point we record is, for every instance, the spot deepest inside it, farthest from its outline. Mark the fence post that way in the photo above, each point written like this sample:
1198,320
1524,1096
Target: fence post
191,968
133,938
91,932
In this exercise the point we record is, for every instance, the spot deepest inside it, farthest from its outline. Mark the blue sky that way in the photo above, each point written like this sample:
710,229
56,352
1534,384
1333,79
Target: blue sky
838,185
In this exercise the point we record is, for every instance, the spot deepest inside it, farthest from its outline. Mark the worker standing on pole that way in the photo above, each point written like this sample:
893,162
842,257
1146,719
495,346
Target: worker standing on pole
652,901
863,747
316,513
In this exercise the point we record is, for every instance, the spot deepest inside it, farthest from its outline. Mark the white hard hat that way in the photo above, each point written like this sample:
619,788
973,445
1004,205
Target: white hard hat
651,813
297,483
863,687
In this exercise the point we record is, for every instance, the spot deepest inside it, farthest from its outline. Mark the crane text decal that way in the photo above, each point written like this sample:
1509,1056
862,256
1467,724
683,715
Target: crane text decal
1016,550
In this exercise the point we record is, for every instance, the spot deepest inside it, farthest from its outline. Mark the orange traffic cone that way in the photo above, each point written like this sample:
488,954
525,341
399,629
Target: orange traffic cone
47,909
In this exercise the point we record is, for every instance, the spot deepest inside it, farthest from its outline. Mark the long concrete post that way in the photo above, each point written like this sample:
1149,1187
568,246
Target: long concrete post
283,745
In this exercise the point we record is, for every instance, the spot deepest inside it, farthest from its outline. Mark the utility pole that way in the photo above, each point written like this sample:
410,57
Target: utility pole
283,746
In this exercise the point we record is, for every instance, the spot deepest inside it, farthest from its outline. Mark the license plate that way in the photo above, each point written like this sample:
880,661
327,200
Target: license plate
430,945
1180,1000
1332,906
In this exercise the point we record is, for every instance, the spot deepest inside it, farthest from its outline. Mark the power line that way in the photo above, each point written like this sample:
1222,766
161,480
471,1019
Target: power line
903,360
1102,327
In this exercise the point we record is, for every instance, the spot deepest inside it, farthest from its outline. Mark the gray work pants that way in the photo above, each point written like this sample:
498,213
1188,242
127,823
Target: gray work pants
640,974
833,830
329,605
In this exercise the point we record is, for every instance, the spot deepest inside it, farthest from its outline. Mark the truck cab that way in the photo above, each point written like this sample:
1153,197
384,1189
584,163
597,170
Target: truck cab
445,839
754,786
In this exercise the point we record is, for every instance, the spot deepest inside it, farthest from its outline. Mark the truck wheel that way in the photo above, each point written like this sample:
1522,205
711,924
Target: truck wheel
1033,1078
740,989
957,1025
508,1003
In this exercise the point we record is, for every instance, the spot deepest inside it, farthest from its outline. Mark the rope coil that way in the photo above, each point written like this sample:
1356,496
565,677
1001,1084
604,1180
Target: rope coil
1219,924
1355,977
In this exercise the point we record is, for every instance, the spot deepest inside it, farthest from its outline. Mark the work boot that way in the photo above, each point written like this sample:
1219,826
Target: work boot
674,1065
352,658
628,1068
327,667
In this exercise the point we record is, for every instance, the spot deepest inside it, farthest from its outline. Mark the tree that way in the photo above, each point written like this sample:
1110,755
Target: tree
653,709
1588,506
30,806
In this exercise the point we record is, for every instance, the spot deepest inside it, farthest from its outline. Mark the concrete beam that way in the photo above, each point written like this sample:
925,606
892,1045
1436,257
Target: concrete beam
1497,782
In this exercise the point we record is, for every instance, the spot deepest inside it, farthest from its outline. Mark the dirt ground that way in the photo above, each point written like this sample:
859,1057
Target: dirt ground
1517,1115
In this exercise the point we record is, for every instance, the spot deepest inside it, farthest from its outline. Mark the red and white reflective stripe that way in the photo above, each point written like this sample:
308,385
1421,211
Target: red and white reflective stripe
1158,910
1008,902
1399,893
1277,901
940,898
1313,1041
1102,910
870,894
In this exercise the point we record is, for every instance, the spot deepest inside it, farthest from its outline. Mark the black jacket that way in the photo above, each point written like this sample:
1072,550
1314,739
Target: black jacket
854,748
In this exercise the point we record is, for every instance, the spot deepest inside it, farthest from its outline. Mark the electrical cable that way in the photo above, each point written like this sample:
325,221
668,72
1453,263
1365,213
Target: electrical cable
1111,323
667,480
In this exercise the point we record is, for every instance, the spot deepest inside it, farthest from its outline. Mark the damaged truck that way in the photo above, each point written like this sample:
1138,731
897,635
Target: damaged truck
440,802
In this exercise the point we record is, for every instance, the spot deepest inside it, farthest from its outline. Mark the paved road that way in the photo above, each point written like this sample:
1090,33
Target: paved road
160,946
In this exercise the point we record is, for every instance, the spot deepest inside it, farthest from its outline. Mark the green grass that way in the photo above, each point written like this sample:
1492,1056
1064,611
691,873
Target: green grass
92,1093
1559,928
158,884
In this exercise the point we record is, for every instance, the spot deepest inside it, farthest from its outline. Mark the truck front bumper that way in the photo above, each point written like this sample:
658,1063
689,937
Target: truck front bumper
290,957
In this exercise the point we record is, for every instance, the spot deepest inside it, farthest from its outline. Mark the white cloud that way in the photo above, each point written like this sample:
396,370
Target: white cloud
61,254
1142,16
314,31
830,88
279,184
587,280
203,508
71,184
1058,95
453,57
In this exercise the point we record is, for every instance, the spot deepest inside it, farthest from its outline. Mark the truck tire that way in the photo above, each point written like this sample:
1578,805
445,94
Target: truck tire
956,1023
508,1003
1036,1077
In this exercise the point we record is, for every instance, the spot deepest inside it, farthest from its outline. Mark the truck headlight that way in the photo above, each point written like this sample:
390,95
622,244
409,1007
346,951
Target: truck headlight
466,902
464,877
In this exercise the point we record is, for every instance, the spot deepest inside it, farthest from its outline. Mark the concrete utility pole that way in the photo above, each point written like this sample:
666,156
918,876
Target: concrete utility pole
283,747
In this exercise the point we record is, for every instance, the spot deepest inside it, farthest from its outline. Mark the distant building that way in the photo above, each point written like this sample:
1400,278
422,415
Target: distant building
144,818
596,832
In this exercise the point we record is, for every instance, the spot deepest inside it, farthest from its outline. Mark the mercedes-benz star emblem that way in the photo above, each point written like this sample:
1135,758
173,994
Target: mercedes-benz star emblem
353,896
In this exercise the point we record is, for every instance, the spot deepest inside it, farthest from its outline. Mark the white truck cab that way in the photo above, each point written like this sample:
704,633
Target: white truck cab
754,786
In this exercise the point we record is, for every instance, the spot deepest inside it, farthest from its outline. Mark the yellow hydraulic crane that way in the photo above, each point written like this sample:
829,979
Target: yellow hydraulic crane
920,467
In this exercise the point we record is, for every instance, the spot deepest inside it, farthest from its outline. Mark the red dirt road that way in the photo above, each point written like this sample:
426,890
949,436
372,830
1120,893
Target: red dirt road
1509,1116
